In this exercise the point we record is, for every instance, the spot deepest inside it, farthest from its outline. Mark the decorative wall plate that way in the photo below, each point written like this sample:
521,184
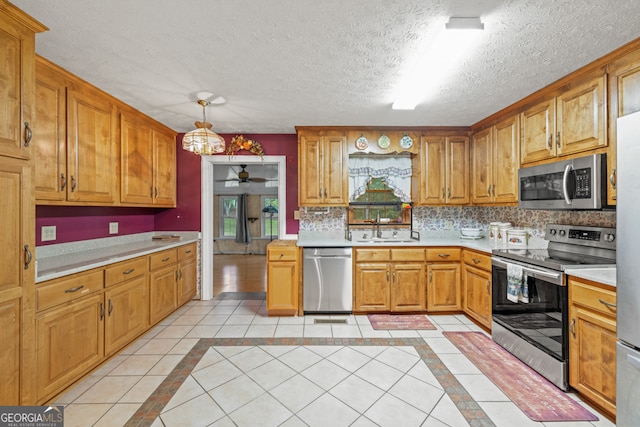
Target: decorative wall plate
406,141
362,143
384,141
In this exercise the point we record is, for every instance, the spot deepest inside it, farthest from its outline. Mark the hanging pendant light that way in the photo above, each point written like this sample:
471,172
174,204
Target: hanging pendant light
202,140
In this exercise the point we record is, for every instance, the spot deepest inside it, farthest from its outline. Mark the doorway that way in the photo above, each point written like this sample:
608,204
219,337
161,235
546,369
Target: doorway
208,165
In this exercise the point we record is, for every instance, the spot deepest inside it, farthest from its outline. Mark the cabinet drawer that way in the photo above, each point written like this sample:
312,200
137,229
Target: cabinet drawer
282,253
125,270
407,254
593,297
372,255
187,251
161,259
58,291
443,254
477,260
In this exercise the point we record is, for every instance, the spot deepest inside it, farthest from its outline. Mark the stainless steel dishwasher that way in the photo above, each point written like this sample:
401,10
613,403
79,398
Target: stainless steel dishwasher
327,284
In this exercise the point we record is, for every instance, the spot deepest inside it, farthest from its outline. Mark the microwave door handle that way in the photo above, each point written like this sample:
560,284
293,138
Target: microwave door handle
565,183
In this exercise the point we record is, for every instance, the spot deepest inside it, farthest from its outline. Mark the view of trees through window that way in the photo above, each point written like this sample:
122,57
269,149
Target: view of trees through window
269,224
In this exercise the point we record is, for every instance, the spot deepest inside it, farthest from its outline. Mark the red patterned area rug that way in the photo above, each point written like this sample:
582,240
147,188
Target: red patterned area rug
400,321
533,394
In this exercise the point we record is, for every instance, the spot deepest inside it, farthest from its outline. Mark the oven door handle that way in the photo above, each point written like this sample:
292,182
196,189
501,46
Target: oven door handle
529,271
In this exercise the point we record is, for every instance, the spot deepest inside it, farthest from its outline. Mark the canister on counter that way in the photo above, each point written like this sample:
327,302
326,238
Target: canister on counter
502,231
517,237
493,231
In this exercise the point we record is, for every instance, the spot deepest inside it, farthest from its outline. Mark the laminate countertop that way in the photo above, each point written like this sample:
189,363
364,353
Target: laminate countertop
54,261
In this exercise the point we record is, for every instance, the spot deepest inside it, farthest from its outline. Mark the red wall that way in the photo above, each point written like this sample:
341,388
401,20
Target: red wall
187,214
76,223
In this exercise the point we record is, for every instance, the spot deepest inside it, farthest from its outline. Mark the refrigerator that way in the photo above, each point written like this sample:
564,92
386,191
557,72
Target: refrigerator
628,271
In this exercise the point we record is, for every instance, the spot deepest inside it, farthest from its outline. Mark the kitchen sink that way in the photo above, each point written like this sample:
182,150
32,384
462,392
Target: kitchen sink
391,240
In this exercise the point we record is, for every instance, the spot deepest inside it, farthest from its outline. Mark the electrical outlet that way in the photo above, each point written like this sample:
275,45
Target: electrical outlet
448,225
296,214
113,228
48,233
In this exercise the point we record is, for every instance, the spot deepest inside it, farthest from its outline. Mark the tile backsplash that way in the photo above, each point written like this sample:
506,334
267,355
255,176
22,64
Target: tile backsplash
443,218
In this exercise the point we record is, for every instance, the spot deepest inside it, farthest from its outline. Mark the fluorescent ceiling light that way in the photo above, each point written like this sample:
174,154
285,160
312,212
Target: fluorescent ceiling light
435,61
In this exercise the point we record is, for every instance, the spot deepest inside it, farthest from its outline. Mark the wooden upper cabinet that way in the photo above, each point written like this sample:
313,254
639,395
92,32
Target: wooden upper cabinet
323,169
573,122
538,129
92,147
624,98
581,117
17,38
164,168
495,162
50,136
136,157
443,170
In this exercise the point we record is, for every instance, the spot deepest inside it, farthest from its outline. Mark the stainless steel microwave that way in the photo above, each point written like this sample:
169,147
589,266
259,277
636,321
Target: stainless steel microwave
578,184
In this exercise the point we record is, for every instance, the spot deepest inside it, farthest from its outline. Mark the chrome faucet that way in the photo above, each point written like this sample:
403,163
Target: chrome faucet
378,231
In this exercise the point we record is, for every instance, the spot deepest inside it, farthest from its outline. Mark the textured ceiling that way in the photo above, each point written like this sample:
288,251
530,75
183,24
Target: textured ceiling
282,63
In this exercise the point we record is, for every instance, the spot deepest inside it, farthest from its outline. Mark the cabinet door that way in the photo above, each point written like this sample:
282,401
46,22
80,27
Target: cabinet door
49,141
580,118
538,130
506,161
136,158
164,169
477,296
310,169
127,313
335,180
431,185
592,357
372,287
187,279
457,170
162,293
16,90
443,287
282,288
70,341
624,98
17,300
481,172
407,287
92,151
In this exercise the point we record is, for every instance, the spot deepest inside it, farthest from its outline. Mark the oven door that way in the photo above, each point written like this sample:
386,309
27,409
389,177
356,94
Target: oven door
542,322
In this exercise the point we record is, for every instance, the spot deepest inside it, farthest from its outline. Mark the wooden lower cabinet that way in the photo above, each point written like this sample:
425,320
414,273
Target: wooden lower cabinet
443,287
70,341
396,284
10,313
187,272
282,278
163,278
476,273
127,313
592,342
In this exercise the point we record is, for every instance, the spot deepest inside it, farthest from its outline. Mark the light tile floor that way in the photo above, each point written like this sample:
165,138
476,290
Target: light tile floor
248,369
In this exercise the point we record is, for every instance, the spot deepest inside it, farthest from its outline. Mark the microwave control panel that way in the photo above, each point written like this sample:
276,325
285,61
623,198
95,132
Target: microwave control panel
583,183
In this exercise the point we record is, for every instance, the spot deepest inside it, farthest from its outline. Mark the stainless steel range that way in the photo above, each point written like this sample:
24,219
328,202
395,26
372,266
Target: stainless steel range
530,298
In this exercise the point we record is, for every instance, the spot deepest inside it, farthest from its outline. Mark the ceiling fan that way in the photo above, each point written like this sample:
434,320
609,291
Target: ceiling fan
243,176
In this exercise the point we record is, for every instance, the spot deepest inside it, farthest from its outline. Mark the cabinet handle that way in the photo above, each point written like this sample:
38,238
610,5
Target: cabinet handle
73,184
431,277
558,140
151,191
475,260
449,193
155,192
572,327
166,259
63,182
110,308
608,304
394,277
189,251
72,290
131,270
489,190
27,134
443,255
27,257
488,287
101,311
493,190
387,277
180,271
612,178
549,141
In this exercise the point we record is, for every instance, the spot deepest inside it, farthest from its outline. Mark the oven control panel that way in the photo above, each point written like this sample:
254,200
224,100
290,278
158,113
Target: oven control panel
600,237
